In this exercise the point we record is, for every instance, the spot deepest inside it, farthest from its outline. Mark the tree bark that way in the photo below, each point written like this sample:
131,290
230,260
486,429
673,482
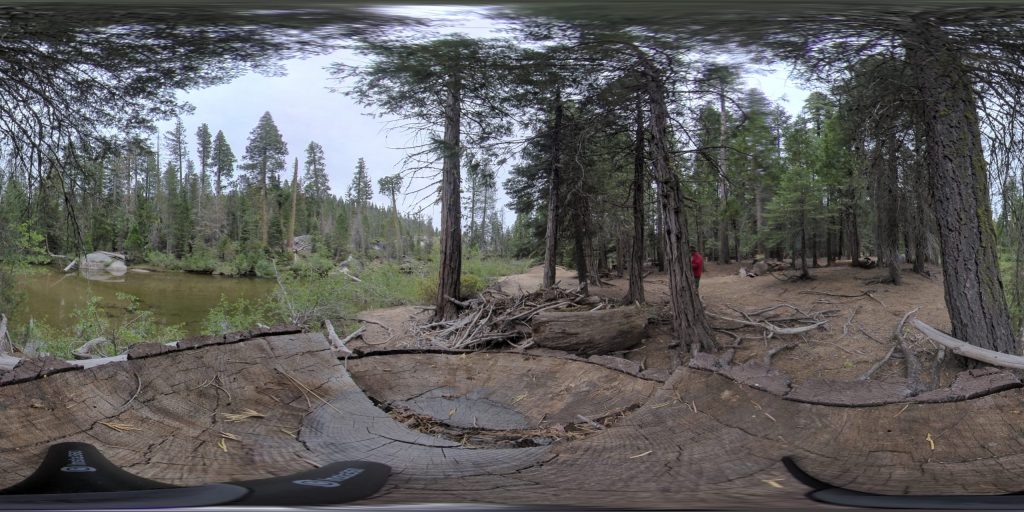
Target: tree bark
887,205
689,324
955,156
551,236
399,250
590,332
295,199
449,278
759,217
580,241
636,254
723,184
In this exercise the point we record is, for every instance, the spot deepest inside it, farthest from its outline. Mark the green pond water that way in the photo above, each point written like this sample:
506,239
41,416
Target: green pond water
173,297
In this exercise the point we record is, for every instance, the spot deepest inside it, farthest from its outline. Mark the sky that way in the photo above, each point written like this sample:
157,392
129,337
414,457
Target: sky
305,110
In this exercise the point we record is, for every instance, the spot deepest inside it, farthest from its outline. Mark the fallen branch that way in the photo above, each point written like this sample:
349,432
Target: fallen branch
843,295
71,265
337,343
85,351
874,368
350,276
768,326
771,353
913,363
940,357
970,351
849,322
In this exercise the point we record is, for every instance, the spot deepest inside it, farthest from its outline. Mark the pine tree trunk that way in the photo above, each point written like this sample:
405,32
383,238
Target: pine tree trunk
723,184
448,280
886,206
689,324
955,158
399,250
264,208
551,236
759,218
636,259
850,226
295,199
814,249
580,252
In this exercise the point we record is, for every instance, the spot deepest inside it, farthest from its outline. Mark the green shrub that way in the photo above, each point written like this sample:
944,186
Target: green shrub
122,323
237,315
163,260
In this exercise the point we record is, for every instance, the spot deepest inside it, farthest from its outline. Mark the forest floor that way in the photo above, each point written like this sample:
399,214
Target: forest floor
861,319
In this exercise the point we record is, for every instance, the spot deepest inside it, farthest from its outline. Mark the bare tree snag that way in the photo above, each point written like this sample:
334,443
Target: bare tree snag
590,332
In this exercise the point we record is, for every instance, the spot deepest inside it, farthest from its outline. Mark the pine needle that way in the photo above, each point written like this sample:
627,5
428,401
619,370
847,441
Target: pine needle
242,416
120,427
223,445
229,435
644,454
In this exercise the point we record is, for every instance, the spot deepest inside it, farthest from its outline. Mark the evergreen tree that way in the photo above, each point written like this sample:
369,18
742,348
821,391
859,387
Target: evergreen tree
359,194
264,160
223,163
316,185
177,147
391,186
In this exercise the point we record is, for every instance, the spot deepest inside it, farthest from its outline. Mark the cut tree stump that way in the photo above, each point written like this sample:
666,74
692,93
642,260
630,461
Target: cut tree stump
590,332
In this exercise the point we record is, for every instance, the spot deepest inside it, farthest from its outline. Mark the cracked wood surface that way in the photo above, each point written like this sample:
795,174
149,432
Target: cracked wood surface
699,440
499,391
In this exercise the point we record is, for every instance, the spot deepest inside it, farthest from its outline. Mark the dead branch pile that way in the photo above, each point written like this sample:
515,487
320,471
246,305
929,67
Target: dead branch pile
496,317
781,319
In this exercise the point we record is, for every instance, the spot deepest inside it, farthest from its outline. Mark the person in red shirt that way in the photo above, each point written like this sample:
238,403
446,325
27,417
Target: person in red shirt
697,264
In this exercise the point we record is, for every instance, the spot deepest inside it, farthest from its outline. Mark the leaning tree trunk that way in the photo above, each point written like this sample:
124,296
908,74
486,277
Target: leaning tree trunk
451,209
636,255
955,156
689,324
551,236
887,206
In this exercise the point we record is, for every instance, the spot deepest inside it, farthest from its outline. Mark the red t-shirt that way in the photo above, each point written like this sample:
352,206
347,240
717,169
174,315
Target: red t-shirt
697,264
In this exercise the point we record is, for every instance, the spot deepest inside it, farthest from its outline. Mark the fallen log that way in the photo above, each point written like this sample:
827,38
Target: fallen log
85,351
590,332
970,351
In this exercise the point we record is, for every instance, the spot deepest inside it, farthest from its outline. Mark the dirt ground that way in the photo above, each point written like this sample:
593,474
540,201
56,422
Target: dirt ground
857,334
